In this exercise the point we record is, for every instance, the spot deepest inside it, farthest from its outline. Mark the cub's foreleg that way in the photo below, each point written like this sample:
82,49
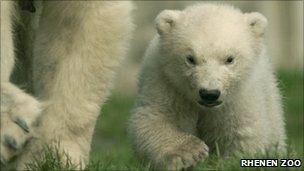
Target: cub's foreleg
158,138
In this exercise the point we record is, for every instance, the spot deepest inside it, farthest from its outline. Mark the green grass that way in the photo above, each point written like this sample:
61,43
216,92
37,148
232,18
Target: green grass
291,85
111,149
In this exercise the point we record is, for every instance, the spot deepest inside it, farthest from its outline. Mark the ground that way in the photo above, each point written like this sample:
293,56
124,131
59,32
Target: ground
111,149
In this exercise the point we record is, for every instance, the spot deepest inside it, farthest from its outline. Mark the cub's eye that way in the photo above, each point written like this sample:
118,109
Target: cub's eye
229,60
191,60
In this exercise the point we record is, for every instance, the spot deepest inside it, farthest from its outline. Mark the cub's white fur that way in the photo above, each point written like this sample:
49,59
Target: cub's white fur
77,47
169,126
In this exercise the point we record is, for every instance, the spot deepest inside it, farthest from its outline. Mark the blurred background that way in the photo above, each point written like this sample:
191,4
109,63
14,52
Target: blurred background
284,40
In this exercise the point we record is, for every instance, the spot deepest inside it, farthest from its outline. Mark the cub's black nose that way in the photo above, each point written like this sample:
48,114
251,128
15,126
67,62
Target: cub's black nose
209,95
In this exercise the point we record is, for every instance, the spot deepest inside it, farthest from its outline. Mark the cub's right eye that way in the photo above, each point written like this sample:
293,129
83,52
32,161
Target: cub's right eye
190,59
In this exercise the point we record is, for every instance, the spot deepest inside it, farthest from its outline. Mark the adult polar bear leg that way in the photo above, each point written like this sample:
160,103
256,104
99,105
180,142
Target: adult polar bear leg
78,47
19,110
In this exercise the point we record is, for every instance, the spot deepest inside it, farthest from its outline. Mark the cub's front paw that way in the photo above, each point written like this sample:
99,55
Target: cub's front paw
19,111
186,155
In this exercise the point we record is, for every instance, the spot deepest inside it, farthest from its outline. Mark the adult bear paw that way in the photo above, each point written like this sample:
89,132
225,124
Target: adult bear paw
19,111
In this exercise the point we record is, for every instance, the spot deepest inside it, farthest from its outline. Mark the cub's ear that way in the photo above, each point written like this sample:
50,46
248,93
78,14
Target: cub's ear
257,23
166,20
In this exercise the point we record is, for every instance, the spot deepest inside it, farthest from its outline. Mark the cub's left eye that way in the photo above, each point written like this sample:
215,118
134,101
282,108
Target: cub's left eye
229,60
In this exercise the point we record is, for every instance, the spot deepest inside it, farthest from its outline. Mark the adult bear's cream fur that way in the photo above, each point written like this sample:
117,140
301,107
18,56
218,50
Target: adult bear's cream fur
77,47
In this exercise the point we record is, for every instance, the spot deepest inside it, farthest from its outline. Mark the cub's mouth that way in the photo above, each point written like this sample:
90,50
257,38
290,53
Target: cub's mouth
209,103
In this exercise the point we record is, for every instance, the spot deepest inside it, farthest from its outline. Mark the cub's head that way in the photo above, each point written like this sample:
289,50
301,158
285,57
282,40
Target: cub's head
207,50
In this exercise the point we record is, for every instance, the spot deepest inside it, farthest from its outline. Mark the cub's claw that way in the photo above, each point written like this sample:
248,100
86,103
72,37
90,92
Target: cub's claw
186,155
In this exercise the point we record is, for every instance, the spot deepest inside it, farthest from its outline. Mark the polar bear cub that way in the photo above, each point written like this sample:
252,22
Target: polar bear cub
206,83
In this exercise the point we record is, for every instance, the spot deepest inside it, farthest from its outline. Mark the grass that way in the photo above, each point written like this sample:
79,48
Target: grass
111,148
291,85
